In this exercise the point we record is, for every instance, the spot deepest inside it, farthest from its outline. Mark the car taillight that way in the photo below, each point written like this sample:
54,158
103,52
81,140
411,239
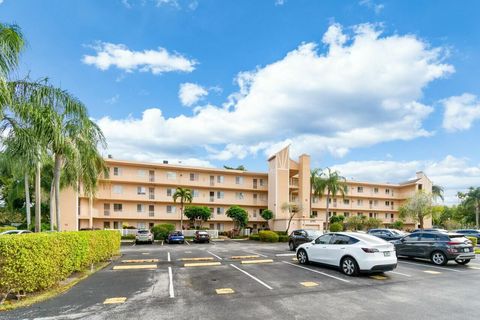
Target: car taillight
370,250
451,243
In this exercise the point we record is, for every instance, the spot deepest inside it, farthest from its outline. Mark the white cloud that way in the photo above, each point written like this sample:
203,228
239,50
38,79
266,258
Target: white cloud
365,89
376,7
154,61
126,4
173,3
112,100
452,173
190,93
460,112
280,2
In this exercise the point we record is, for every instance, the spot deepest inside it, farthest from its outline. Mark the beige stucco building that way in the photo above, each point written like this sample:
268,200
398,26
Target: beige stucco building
140,195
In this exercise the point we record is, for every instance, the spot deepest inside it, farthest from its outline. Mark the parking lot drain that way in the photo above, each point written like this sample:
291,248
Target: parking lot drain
378,277
115,300
245,257
309,284
256,261
225,291
202,264
432,272
138,266
140,260
197,259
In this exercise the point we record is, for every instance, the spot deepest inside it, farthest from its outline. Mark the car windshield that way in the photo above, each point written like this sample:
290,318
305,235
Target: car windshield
203,233
142,231
313,233
457,237
178,233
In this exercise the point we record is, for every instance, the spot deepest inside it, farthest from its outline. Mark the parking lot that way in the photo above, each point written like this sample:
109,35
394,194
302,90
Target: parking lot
245,280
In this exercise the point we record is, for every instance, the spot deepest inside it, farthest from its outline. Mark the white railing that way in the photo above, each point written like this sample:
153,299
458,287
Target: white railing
190,233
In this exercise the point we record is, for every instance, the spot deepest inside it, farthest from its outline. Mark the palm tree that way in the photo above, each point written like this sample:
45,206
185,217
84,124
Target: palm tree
437,192
314,175
472,199
185,195
331,183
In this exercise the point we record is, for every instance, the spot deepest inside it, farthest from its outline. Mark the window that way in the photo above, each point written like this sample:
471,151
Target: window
220,179
370,215
254,213
346,214
387,191
346,201
254,183
263,196
238,180
375,190
315,199
140,208
314,214
171,209
359,189
195,193
391,215
141,190
375,203
359,202
106,224
420,187
151,175
325,239
193,176
413,237
106,209
220,210
141,173
151,193
171,175
117,189
151,210
117,171
212,196
428,237
220,194
386,215
239,195
359,214
261,182
387,203
212,210
170,192
341,239
117,207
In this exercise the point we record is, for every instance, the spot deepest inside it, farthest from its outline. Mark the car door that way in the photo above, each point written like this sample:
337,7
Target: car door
426,245
336,249
318,251
302,237
405,247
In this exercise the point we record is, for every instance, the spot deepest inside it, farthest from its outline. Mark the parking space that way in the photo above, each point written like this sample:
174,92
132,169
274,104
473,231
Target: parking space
150,276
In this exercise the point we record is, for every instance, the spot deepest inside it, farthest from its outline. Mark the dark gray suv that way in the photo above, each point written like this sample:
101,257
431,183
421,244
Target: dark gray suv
439,247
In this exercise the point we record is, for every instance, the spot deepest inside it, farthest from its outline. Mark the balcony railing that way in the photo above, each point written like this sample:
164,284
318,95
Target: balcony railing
151,214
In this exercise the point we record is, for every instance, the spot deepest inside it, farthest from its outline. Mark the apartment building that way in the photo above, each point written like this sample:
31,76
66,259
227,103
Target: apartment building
140,195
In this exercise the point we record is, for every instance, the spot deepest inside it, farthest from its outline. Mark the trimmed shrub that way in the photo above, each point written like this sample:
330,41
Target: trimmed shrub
128,237
268,236
474,241
161,231
6,228
283,238
33,262
255,237
336,227
281,233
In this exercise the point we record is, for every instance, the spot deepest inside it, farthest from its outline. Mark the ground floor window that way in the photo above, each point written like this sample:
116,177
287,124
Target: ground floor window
150,225
314,214
106,224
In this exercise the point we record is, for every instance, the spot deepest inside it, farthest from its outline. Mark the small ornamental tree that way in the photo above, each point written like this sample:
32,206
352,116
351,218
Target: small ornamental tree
197,214
267,214
239,217
417,208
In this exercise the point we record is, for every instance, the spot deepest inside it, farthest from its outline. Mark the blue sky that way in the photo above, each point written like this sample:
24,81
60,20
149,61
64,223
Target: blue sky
378,89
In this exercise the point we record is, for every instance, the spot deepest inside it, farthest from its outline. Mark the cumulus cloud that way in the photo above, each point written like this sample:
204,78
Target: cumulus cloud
460,112
190,93
364,89
453,173
154,61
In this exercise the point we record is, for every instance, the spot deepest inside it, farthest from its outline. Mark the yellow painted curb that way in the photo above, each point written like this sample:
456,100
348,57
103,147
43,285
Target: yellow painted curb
115,300
140,260
138,266
256,261
294,259
432,272
379,277
225,291
197,259
309,284
201,264
244,257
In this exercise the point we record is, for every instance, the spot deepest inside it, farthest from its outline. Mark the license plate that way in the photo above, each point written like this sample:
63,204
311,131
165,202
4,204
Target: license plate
386,253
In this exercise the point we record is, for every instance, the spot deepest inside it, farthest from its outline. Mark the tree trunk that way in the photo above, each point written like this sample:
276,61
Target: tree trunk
477,214
38,197
52,205
326,213
420,219
181,216
27,200
290,221
311,191
56,178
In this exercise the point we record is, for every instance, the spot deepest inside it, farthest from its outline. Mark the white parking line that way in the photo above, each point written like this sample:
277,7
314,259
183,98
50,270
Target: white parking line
285,255
258,254
316,271
170,285
428,266
162,243
399,273
186,241
168,256
213,254
254,278
134,243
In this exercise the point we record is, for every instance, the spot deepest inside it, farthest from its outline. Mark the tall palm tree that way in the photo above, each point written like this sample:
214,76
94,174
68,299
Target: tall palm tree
330,183
185,195
314,175
437,192
471,198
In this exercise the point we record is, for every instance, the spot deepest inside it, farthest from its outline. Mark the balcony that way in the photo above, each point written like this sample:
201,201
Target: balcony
151,214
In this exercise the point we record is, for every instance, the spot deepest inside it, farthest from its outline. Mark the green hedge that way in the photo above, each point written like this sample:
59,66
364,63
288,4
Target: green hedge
268,236
161,231
283,238
33,262
474,241
6,228
336,227
255,237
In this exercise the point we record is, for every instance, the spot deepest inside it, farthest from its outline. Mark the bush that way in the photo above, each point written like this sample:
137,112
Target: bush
268,236
336,227
6,228
474,241
255,237
33,262
161,231
281,233
336,219
128,237
283,238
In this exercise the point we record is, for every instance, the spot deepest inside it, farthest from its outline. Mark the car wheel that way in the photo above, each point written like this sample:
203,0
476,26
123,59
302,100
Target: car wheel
462,262
302,256
291,246
349,266
439,258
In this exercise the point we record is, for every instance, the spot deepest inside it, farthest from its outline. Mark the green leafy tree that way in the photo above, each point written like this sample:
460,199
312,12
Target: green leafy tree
239,217
336,227
471,201
337,219
315,174
356,223
198,214
292,209
417,208
267,215
373,223
240,168
437,192
329,183
184,196
398,225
